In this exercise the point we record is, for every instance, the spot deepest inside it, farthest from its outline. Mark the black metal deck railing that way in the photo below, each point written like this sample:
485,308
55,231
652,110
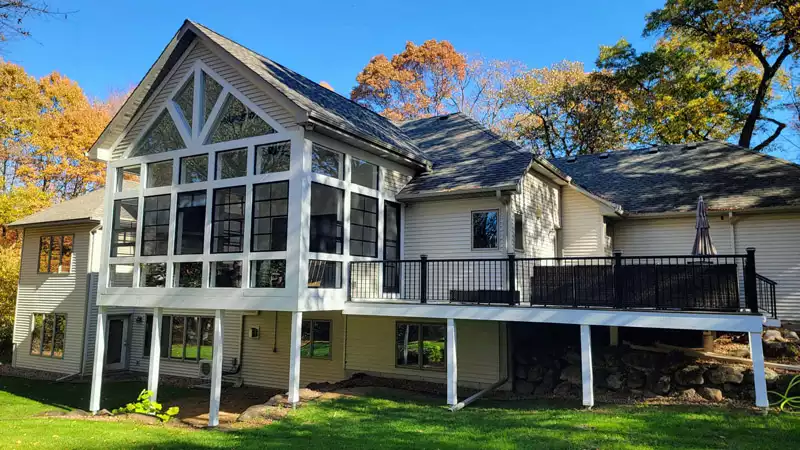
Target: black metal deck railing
692,283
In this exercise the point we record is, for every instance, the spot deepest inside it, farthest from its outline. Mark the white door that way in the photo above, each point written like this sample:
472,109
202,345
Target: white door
116,343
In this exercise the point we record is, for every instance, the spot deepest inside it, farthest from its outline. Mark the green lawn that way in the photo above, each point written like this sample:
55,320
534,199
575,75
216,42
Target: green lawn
394,423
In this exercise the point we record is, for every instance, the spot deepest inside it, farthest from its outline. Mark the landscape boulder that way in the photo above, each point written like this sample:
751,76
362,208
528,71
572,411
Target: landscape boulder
690,376
615,381
572,374
711,394
636,379
791,336
725,374
690,395
772,335
524,387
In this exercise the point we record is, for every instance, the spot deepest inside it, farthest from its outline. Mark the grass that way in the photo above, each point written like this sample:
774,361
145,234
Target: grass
393,423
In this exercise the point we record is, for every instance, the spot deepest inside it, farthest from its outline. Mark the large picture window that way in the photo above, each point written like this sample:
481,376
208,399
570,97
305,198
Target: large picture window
484,230
363,226
159,174
184,338
226,274
153,275
420,345
325,161
363,173
188,275
273,157
55,254
123,229
268,273
327,215
227,230
190,223
270,216
48,335
391,247
155,231
231,164
316,339
194,169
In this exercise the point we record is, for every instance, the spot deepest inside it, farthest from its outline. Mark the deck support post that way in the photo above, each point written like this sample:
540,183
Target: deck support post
759,377
155,354
452,364
294,357
613,336
216,369
586,366
99,359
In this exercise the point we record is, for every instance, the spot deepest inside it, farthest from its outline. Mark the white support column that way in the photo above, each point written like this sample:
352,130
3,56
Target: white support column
452,364
155,354
99,360
294,357
586,366
759,378
216,370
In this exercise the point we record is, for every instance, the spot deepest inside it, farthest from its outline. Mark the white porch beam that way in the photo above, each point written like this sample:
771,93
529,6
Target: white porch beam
759,378
452,365
216,370
586,366
155,354
99,359
294,357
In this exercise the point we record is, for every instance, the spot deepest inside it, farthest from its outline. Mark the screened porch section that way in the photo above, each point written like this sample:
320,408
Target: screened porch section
719,283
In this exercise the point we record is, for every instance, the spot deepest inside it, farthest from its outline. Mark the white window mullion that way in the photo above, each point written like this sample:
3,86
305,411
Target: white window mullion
197,104
212,117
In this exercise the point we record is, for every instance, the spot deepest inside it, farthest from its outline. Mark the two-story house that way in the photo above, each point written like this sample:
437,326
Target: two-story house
254,219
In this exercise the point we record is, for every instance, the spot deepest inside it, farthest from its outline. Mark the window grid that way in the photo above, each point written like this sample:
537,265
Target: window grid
227,227
55,254
363,225
124,231
270,217
155,230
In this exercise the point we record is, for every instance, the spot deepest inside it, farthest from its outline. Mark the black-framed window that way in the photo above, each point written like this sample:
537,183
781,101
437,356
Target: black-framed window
183,338
273,157
227,222
325,161
270,216
519,232
363,225
153,275
226,274
484,229
391,247
194,169
324,274
155,231
421,345
231,164
48,334
363,173
315,339
55,254
188,275
123,229
190,223
268,273
159,174
327,216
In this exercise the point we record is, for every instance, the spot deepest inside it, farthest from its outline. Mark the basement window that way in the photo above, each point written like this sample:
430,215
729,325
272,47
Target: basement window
316,339
420,345
183,338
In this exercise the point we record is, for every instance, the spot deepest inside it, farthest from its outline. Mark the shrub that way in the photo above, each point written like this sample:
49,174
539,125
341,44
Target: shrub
143,405
789,399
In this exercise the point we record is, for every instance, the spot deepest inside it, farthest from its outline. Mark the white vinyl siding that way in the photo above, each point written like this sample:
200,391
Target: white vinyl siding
266,359
443,229
582,230
480,348
233,76
660,237
538,204
138,324
63,293
394,182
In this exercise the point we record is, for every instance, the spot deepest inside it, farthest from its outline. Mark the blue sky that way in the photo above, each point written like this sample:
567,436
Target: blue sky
106,47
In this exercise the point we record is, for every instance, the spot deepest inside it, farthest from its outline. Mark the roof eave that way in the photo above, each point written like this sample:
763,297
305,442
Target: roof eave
484,191
81,220
693,213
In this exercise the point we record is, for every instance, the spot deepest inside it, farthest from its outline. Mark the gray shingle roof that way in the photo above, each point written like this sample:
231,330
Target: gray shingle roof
466,157
87,207
324,103
728,177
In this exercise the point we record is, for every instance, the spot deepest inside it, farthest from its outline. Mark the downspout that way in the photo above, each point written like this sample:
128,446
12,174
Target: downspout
88,312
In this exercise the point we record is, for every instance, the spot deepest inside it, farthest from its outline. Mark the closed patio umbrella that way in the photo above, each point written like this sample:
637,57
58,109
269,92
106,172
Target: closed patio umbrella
702,239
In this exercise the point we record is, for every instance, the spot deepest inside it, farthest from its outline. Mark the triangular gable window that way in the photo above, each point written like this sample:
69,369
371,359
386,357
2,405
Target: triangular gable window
162,137
184,100
237,121
211,91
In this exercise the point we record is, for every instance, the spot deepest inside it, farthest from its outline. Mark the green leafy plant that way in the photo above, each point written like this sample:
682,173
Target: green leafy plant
144,405
788,400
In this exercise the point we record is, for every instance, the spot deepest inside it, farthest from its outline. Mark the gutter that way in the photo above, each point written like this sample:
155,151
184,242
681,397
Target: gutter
513,188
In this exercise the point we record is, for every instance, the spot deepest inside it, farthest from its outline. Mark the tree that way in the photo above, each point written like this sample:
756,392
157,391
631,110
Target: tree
47,125
13,14
679,92
563,110
766,29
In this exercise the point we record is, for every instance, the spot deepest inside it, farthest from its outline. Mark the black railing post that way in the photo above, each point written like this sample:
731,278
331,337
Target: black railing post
619,287
423,279
512,278
750,288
